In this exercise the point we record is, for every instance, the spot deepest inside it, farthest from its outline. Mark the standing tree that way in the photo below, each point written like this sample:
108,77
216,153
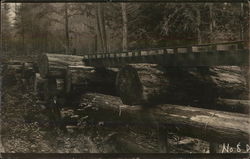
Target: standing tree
124,30
101,27
66,18
5,28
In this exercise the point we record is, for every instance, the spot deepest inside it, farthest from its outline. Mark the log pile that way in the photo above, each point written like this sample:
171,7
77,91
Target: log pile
150,84
83,78
181,99
65,77
209,125
54,65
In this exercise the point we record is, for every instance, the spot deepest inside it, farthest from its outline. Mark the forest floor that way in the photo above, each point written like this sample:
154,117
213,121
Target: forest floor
26,127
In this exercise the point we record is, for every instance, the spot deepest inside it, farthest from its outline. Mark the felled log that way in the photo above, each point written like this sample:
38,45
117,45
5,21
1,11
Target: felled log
12,74
77,76
83,78
15,68
152,84
142,84
205,124
233,105
55,65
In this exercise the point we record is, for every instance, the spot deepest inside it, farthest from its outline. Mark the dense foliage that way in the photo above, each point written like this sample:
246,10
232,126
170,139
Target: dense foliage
82,28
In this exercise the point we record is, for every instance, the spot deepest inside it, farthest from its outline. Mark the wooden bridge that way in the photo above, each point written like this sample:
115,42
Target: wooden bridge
229,53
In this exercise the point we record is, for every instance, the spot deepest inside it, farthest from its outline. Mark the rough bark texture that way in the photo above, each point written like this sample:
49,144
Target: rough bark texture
77,76
152,84
142,84
233,105
82,79
55,65
124,27
202,86
208,125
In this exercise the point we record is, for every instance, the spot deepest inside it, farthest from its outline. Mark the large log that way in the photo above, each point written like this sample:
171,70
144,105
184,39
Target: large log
205,124
12,74
233,105
152,84
82,78
55,65
142,84
77,76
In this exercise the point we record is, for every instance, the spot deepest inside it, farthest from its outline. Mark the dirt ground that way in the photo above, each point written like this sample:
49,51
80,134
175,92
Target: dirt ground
26,127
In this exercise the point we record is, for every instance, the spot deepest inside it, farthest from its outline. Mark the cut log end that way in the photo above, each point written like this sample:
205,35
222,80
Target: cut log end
129,86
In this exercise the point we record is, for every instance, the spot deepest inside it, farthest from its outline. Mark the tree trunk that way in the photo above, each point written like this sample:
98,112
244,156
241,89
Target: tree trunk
212,20
98,21
198,19
82,79
125,31
151,84
66,27
242,22
233,105
103,28
55,65
209,125
77,77
142,84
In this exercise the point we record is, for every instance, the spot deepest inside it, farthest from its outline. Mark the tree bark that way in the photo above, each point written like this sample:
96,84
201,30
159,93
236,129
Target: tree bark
233,105
208,125
82,79
55,65
101,28
212,20
66,28
198,19
125,29
151,84
142,84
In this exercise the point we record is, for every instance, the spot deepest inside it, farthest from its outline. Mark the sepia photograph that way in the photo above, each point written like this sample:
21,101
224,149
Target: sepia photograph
146,78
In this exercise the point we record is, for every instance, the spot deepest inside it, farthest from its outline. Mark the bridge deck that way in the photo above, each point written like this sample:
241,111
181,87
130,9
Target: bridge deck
232,53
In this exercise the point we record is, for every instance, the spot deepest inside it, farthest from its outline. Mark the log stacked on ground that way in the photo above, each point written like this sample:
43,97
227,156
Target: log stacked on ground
55,65
233,105
82,78
152,84
209,125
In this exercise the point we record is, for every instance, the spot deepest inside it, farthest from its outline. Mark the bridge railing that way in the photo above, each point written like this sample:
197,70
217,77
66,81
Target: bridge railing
224,46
